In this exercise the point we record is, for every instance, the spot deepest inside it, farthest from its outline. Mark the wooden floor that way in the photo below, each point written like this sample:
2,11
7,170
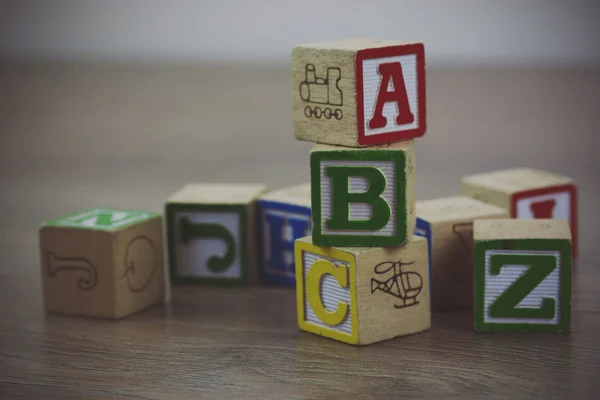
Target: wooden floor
73,137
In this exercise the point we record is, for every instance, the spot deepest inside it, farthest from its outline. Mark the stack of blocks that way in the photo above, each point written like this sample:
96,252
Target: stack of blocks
362,276
368,261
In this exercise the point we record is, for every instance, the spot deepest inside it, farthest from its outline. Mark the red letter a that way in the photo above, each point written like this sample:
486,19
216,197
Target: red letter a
398,95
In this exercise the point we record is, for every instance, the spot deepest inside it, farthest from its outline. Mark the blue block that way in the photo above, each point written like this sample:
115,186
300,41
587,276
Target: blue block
279,224
423,229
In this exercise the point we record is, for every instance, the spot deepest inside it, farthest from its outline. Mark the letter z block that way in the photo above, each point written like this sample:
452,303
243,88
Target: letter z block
358,92
362,295
448,225
283,217
102,263
211,233
522,275
363,197
527,193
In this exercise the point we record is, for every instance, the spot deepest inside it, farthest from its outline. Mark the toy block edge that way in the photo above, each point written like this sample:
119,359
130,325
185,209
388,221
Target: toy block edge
261,205
571,188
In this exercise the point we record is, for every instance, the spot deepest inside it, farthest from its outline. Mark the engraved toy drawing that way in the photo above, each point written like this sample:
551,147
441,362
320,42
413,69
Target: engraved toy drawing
140,263
190,231
324,91
404,285
57,263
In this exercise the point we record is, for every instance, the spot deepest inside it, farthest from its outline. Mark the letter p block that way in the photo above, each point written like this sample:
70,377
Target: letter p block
363,197
210,233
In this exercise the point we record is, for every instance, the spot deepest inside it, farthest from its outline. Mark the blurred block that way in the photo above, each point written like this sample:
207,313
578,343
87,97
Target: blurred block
102,263
211,233
527,193
447,223
283,217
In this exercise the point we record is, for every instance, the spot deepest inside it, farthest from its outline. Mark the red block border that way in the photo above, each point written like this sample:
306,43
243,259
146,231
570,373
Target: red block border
550,190
391,51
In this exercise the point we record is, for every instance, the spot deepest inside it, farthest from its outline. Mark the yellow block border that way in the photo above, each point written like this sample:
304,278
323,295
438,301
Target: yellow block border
299,249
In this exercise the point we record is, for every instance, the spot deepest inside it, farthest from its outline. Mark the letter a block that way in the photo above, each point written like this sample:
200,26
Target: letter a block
102,263
358,92
447,223
527,193
362,295
522,275
283,217
363,197
211,233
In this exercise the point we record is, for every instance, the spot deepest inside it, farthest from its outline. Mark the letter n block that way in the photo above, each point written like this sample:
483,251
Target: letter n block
283,217
102,263
211,233
363,197
362,295
358,92
527,193
447,223
522,275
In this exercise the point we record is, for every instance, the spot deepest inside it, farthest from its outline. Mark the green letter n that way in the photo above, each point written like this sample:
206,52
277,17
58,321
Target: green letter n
342,197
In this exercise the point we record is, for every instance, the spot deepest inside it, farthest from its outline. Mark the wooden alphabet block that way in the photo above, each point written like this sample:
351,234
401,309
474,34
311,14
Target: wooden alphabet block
363,197
211,233
527,193
102,263
447,223
522,275
362,295
358,92
283,217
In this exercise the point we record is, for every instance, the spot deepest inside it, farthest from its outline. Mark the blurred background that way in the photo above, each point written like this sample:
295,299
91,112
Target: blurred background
119,103
458,33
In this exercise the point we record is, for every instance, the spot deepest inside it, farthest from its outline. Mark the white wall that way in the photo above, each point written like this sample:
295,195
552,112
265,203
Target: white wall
454,31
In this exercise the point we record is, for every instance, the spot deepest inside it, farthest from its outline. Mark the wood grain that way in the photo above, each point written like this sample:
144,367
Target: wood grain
76,136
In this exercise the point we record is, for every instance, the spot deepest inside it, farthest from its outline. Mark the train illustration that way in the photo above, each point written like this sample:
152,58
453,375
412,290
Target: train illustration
406,286
324,91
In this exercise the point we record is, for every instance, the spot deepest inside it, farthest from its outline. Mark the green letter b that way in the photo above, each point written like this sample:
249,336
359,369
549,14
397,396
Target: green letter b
341,198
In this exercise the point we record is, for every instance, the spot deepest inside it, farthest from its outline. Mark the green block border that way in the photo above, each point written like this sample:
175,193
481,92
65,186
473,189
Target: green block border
561,245
53,222
323,239
241,209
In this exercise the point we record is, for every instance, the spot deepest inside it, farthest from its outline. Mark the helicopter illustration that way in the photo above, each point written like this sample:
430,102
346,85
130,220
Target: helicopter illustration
406,286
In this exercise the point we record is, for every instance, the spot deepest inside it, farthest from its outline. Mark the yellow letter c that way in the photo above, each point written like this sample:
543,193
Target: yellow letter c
313,291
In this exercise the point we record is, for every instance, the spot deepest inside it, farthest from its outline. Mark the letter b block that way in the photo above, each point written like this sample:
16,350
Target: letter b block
363,197
362,295
358,92
522,275
210,233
